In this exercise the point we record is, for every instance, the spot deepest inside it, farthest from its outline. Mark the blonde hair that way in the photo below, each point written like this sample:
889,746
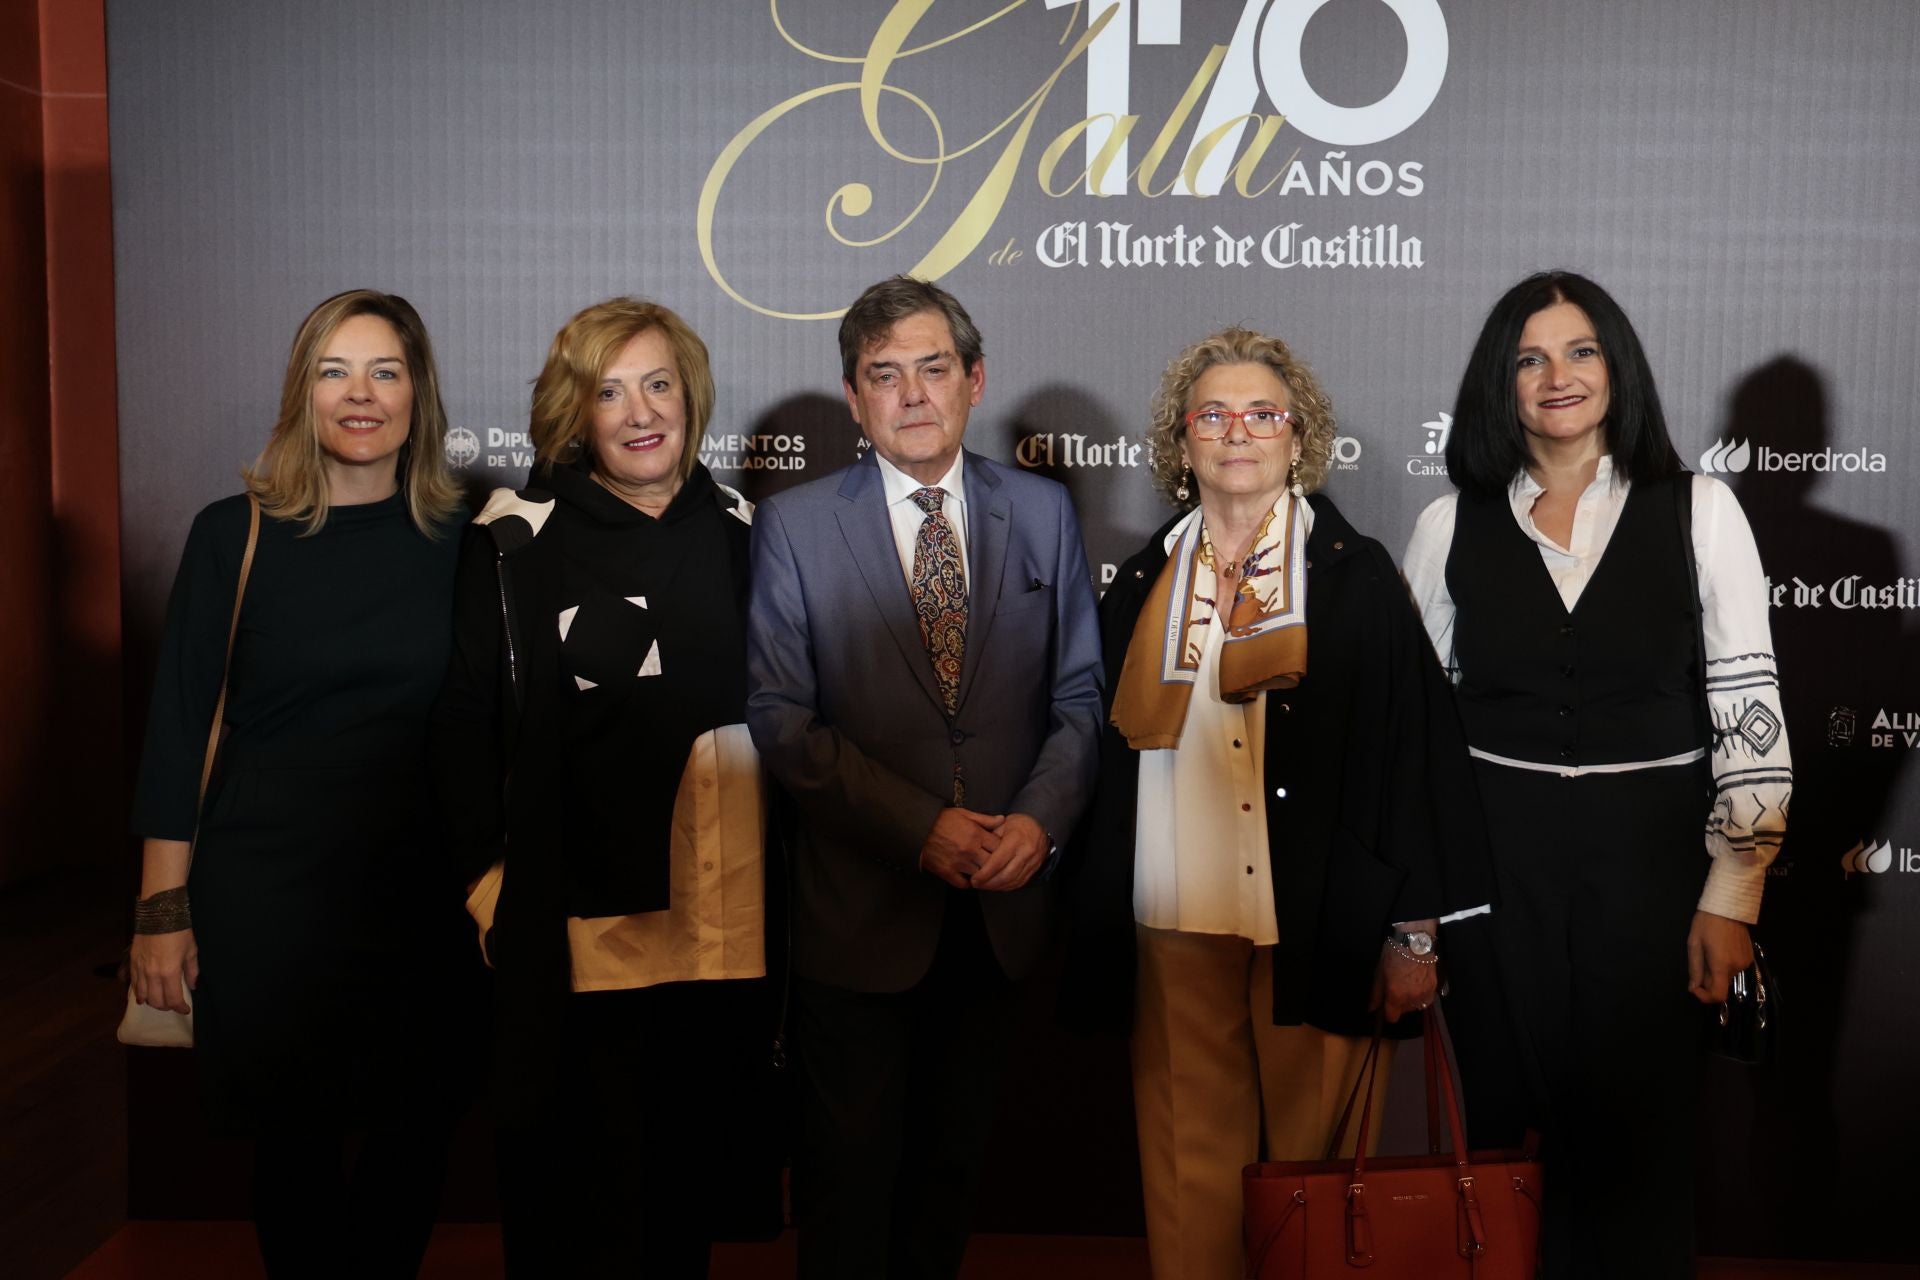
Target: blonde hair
1308,403
563,394
290,475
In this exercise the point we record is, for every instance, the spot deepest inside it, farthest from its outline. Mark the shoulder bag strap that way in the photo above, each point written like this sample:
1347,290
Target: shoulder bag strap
226,666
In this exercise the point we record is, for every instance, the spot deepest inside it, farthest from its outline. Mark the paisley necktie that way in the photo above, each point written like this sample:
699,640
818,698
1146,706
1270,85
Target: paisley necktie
939,591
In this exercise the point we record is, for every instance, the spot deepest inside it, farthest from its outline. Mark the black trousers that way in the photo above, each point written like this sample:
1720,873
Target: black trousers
659,1144
1602,1047
897,1099
327,1205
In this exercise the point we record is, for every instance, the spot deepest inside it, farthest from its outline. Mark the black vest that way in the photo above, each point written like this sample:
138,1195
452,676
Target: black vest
1611,682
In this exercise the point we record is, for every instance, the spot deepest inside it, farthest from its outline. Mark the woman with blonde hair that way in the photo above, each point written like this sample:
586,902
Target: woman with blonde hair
607,803
309,935
1265,862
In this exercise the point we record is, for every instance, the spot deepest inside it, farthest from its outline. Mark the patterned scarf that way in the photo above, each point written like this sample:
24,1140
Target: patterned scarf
1266,642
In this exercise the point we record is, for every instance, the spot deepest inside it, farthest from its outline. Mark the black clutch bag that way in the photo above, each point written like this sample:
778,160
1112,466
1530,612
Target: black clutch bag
1748,1027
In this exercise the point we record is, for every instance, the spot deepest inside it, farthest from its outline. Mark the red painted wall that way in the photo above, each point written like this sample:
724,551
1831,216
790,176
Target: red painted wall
61,752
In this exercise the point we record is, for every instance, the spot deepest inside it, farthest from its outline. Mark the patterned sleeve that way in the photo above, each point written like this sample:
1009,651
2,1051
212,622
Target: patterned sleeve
1752,766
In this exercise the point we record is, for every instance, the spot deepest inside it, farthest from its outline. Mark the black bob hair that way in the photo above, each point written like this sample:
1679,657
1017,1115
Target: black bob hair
1487,447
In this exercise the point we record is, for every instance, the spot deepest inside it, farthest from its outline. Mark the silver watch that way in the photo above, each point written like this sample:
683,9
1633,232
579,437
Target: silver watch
1419,942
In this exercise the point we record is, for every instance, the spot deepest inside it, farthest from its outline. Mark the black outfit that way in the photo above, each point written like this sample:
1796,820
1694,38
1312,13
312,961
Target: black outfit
1598,874
634,1125
332,986
1370,812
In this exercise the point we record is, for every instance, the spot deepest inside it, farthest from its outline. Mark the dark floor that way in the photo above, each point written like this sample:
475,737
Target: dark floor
63,1139
63,1082
195,1250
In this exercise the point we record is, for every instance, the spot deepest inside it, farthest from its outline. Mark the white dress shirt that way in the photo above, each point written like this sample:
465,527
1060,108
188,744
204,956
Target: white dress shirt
1201,862
907,517
1752,765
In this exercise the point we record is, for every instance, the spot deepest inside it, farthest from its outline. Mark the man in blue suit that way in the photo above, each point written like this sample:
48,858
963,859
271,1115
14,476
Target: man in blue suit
924,670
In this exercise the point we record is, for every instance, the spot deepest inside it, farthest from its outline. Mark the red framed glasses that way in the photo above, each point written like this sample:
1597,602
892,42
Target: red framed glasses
1261,424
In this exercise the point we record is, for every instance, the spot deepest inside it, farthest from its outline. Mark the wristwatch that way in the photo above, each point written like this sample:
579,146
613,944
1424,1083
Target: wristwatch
1417,945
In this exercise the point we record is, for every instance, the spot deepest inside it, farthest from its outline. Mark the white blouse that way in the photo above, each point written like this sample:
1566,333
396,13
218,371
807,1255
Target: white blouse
1200,857
1752,766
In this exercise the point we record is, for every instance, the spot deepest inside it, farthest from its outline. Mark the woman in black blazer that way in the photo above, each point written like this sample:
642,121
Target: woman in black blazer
1271,847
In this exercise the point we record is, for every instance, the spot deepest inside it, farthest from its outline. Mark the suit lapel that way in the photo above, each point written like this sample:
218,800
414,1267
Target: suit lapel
989,528
869,534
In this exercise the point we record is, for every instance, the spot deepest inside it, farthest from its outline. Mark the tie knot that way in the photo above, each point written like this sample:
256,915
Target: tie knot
929,500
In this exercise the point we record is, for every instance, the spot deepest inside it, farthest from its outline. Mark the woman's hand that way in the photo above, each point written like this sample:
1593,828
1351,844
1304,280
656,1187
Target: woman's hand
1401,985
1717,948
163,967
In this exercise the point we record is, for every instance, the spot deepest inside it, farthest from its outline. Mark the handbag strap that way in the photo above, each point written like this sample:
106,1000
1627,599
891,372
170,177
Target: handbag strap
1431,1044
1363,1079
226,667
1440,1085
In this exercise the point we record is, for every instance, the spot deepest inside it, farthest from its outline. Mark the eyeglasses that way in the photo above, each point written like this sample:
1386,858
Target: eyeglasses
1261,424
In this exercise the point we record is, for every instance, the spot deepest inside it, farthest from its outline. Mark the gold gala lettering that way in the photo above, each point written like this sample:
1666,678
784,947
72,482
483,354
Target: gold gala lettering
976,220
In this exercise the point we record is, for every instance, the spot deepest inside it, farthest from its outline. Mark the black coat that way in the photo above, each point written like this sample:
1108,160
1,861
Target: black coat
497,750
1371,813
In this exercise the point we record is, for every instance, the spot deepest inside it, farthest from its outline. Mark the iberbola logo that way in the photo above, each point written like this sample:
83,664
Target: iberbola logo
1732,456
1877,858
1726,456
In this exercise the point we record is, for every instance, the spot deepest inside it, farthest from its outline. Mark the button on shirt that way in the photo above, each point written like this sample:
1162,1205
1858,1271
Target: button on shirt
1201,861
906,516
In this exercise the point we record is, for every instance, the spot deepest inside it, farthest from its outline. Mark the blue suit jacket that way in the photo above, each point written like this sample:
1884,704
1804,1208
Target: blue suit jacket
845,712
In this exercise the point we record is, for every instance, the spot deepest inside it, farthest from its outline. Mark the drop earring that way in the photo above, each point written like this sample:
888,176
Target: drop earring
1182,492
1293,479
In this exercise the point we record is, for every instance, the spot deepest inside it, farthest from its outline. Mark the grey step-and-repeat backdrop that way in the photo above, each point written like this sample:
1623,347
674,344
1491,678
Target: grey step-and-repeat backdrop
1102,185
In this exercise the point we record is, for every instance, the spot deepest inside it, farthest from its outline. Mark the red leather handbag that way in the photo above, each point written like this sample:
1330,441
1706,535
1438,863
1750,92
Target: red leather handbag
1472,1215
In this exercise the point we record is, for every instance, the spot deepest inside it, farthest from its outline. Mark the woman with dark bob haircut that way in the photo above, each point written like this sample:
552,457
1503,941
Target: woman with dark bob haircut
1266,860
1604,615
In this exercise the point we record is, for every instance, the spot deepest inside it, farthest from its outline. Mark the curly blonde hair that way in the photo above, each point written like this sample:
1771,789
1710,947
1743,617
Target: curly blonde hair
1236,345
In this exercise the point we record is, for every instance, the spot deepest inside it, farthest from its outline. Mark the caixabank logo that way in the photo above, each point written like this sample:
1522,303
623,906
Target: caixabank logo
1731,456
1878,857
1432,458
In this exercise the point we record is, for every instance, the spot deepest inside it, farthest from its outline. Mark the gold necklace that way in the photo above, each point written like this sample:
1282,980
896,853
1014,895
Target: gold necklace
1233,571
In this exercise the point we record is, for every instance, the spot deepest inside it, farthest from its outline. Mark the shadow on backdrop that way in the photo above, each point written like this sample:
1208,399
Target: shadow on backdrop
810,428
1769,1128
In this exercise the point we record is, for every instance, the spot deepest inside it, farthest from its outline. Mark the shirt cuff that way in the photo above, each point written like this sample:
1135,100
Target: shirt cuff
1734,891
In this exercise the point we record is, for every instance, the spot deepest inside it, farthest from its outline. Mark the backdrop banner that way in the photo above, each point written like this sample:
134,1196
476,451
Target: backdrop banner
1101,184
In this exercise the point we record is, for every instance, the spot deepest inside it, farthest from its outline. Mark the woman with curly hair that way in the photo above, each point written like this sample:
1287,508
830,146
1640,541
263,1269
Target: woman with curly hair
1264,867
